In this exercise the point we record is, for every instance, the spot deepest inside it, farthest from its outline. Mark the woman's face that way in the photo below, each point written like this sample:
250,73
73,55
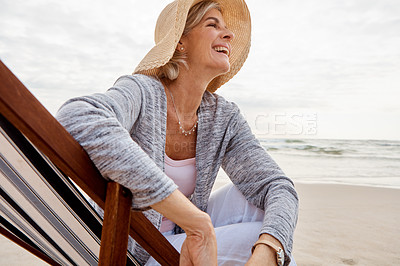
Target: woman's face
208,45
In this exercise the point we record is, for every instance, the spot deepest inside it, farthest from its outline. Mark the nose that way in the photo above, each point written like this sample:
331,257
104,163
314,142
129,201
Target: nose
228,35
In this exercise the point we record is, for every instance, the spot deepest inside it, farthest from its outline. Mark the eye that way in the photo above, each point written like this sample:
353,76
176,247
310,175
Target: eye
212,25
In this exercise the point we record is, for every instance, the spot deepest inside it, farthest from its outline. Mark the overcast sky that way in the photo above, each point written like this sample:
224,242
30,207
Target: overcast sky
317,68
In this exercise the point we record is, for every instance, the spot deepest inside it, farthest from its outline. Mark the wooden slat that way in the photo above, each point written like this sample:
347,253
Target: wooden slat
26,113
26,246
160,251
114,236
30,117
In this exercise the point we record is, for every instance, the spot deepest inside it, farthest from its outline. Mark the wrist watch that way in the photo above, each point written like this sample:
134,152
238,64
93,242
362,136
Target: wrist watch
280,255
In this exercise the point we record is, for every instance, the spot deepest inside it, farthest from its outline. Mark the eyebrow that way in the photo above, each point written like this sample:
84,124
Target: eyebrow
216,20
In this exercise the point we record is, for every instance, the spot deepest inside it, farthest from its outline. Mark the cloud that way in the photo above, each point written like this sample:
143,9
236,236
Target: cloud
334,51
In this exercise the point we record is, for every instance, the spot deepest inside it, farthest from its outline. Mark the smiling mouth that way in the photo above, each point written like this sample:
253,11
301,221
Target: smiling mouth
221,49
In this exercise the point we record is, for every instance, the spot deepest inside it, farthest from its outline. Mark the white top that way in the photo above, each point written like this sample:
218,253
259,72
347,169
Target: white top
183,173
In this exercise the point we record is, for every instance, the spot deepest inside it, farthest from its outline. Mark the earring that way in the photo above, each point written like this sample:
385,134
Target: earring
182,48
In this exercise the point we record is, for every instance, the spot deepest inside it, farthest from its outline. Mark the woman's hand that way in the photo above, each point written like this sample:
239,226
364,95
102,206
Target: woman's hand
200,245
263,254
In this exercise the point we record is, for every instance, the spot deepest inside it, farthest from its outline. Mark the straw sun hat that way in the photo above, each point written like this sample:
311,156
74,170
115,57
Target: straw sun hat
170,26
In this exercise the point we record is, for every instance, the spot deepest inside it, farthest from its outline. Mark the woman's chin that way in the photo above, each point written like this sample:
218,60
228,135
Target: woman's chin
224,69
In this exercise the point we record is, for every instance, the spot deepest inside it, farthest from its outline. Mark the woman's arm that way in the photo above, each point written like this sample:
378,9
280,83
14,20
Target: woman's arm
102,123
262,182
200,246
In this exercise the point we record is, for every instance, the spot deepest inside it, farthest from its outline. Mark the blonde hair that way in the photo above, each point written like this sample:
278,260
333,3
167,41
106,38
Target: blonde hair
171,69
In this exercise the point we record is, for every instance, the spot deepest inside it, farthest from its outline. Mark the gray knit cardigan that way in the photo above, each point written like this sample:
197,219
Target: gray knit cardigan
124,132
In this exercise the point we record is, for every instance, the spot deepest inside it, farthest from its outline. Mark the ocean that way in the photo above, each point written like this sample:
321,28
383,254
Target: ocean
353,162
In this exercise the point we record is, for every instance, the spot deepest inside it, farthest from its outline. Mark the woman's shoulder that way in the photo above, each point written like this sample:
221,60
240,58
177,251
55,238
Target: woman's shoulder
225,114
219,103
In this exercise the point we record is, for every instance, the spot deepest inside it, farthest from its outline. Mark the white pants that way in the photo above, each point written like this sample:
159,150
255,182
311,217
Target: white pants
237,226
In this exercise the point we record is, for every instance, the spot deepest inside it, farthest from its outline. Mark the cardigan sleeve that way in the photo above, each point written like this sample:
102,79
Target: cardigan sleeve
262,182
102,124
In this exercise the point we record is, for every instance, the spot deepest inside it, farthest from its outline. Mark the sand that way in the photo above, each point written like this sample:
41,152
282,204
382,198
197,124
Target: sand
347,225
338,225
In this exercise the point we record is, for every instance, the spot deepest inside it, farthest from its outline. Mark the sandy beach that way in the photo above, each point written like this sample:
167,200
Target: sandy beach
338,225
347,225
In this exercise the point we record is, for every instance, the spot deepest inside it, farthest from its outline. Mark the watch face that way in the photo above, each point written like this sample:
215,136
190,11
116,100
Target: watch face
280,257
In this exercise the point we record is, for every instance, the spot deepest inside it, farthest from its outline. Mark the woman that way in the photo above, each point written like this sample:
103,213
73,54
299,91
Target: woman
165,120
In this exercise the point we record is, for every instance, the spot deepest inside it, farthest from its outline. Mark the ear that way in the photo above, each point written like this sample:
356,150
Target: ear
180,47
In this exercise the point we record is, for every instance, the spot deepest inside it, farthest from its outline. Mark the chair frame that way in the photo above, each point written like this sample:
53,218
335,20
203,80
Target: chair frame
31,118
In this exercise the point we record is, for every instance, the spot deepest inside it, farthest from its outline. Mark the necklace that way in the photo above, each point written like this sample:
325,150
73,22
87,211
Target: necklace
181,129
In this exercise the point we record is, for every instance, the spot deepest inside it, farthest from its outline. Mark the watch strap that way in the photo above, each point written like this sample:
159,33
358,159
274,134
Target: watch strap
267,243
279,252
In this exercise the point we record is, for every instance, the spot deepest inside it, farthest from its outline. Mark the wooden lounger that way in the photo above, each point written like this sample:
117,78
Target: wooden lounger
45,177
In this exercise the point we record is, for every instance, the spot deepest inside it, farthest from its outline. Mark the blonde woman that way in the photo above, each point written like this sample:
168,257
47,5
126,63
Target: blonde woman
163,133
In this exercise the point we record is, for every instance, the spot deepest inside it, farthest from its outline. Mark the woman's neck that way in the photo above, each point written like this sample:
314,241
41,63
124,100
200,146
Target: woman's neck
187,91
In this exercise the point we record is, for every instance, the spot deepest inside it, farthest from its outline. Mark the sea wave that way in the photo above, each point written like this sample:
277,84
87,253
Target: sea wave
377,149
319,150
332,156
294,141
361,162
